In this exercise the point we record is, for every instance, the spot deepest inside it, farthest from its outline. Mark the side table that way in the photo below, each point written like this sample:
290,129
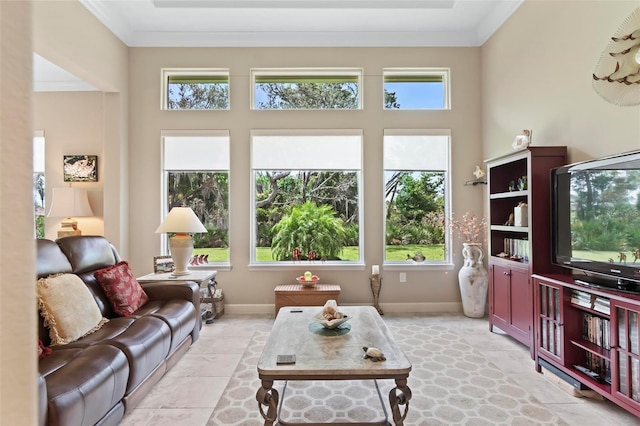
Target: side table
206,279
300,295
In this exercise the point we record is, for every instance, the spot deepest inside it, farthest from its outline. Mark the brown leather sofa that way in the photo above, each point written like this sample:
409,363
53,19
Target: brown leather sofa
104,375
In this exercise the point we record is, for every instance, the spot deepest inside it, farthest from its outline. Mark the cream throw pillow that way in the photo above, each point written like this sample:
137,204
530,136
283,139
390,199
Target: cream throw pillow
68,308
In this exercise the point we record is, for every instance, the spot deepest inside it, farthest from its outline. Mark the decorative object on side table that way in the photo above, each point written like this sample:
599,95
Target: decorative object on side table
472,277
376,286
162,264
183,222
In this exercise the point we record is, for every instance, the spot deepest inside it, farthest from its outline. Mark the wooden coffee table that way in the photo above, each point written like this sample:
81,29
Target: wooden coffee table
331,357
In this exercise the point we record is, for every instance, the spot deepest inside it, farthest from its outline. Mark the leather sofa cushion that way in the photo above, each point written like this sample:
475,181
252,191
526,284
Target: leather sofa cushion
83,385
179,315
87,252
146,344
110,330
51,260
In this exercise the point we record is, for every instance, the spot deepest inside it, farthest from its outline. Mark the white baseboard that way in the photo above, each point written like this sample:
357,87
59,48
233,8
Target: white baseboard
396,308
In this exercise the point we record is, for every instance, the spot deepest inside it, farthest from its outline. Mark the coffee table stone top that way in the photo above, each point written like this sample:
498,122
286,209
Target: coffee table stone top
320,357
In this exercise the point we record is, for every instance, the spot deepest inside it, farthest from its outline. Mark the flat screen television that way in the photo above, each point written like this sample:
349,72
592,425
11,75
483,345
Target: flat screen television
596,220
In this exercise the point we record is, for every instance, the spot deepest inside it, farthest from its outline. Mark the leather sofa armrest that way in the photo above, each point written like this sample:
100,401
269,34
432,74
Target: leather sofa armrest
165,290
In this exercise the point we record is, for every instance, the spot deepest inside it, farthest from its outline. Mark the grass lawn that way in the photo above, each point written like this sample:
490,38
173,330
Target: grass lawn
393,253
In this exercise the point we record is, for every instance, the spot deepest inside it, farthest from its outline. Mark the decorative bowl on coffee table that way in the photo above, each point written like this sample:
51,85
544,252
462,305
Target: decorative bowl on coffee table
330,324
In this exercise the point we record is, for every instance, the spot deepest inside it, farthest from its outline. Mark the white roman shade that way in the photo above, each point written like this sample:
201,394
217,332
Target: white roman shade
38,151
416,150
306,150
196,151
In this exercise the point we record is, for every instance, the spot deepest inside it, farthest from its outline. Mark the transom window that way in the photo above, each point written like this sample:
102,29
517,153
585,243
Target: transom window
303,89
190,89
416,88
307,196
196,174
416,173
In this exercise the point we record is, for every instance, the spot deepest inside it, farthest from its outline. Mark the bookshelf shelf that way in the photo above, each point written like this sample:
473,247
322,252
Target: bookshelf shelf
592,335
515,252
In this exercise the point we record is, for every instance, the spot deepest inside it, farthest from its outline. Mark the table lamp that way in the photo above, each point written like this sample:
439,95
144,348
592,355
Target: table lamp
183,222
67,202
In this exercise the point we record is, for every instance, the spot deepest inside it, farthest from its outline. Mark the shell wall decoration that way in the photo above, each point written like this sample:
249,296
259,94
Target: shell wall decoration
617,75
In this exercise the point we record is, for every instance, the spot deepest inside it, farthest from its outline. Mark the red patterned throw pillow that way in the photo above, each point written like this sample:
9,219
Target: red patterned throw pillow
122,289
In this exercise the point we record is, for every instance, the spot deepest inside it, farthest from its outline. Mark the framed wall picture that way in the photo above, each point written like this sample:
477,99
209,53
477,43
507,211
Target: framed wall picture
162,264
80,168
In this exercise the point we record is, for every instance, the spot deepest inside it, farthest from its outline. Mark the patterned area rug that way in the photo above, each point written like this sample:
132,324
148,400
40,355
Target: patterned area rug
451,384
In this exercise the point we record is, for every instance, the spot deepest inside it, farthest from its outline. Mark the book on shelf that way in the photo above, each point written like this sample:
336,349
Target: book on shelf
516,248
601,304
596,330
581,298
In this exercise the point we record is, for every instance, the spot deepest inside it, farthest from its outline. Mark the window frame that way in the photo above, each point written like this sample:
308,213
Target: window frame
166,73
164,242
447,263
407,73
256,73
287,265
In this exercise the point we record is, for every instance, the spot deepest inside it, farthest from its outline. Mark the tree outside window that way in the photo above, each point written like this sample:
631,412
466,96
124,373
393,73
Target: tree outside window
196,89
307,202
196,166
416,164
303,89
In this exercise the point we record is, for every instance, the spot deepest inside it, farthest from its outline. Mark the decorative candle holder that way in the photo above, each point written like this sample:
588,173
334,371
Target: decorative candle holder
376,286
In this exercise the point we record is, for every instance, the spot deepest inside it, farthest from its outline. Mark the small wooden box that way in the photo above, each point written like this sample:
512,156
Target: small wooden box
299,295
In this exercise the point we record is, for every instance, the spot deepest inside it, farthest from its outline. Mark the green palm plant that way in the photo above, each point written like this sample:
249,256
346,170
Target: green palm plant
309,228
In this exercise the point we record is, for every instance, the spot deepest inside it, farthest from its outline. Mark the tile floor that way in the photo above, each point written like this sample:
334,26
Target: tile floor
190,391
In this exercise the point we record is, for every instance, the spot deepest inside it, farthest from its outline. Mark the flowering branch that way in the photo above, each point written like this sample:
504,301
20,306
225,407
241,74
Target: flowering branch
470,228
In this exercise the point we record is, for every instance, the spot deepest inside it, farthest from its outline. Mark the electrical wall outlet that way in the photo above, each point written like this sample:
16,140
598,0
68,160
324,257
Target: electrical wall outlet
403,277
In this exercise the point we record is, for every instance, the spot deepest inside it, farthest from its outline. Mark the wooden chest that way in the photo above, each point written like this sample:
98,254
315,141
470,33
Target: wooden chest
299,295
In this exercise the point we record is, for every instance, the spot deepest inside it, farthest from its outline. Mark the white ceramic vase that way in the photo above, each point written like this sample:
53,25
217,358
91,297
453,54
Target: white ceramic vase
473,280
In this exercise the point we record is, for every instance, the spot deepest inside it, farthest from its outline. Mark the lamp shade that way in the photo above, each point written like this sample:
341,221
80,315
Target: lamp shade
68,202
181,220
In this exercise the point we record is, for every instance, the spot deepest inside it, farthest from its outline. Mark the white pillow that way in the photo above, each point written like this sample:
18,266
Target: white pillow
68,308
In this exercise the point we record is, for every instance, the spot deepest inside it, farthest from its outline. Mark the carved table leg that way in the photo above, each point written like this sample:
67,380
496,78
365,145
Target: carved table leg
400,395
268,396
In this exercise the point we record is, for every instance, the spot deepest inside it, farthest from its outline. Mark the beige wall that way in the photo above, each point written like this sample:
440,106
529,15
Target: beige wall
17,258
424,289
67,34
536,74
73,124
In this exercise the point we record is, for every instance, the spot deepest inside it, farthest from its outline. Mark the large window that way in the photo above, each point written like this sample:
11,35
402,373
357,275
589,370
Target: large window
306,88
196,174
416,171
38,183
307,196
416,88
195,89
